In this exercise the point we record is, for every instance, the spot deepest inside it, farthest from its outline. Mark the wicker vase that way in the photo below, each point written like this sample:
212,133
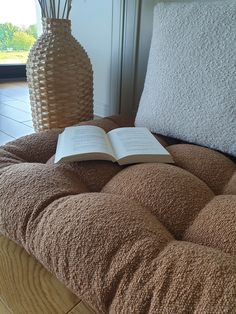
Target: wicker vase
60,78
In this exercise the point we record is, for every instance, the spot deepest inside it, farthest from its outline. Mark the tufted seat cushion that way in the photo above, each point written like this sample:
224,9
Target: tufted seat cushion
146,238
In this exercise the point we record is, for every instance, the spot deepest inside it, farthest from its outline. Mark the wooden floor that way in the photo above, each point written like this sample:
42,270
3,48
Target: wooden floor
15,116
26,287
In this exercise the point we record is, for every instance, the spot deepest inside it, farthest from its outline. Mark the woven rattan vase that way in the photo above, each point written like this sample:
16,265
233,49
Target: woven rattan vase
60,78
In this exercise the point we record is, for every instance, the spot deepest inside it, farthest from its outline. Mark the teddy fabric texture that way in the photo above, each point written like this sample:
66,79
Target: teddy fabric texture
146,238
190,86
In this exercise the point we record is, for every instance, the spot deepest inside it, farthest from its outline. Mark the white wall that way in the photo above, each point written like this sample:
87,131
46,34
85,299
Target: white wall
137,32
145,35
117,36
96,24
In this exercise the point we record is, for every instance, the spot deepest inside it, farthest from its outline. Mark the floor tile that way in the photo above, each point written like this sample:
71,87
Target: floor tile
29,123
4,98
14,113
15,93
24,98
14,128
18,104
4,138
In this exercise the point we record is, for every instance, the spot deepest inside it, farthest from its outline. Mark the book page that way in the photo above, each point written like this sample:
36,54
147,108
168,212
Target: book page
81,140
136,141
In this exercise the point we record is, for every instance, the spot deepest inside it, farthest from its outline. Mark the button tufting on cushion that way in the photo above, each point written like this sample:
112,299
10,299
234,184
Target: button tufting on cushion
215,225
94,174
110,233
174,195
208,165
27,189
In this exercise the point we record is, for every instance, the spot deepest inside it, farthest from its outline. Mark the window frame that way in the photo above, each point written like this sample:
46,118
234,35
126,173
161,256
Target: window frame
11,71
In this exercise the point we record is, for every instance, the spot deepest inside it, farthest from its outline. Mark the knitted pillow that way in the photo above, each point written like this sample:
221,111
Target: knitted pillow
190,87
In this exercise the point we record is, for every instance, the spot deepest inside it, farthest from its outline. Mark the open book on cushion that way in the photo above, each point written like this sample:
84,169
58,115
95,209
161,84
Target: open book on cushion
122,145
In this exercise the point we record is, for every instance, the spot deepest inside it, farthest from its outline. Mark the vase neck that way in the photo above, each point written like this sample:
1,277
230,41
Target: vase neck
56,25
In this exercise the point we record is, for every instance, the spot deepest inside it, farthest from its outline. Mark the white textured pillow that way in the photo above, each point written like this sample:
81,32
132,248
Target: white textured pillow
190,86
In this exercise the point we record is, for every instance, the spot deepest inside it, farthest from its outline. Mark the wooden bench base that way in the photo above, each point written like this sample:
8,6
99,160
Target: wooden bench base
26,287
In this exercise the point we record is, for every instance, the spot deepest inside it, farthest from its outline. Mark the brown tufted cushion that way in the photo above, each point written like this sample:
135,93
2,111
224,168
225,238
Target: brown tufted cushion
148,238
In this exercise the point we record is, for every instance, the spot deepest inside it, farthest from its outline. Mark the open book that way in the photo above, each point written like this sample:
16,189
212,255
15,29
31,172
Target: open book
122,145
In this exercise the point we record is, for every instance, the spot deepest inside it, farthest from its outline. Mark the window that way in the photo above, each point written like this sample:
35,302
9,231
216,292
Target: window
18,32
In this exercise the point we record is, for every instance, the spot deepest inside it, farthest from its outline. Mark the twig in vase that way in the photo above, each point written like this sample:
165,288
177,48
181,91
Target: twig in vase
58,8
52,8
64,10
46,7
42,8
69,8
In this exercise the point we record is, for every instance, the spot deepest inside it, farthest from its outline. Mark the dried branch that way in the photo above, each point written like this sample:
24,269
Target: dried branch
52,8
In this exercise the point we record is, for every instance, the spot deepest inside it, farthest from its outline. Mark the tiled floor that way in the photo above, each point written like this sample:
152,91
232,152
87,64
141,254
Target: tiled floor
15,116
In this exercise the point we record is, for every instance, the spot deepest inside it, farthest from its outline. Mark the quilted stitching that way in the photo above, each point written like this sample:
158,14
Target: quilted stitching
145,238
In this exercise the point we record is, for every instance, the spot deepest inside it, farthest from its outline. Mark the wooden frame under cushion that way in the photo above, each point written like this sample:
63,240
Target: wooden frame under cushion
26,287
